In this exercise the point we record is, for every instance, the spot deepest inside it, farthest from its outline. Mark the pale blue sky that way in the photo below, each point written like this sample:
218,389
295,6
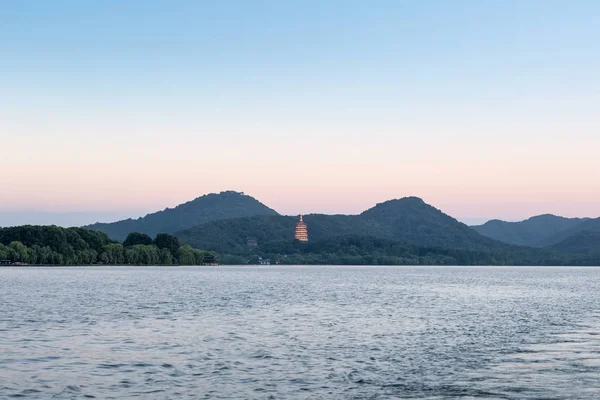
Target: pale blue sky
484,108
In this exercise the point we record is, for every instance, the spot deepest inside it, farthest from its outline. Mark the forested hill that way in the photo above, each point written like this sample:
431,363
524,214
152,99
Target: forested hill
534,231
366,250
210,207
588,225
409,220
585,243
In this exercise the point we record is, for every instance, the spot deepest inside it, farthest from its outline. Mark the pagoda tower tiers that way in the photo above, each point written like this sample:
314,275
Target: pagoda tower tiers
301,231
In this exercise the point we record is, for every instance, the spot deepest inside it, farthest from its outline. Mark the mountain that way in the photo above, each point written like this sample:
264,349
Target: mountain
589,225
210,207
411,220
531,232
231,236
408,220
584,243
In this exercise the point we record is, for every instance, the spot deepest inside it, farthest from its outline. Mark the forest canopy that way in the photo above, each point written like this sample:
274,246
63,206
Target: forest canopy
52,245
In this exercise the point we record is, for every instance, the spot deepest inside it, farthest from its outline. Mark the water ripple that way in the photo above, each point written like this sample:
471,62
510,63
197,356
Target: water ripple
300,332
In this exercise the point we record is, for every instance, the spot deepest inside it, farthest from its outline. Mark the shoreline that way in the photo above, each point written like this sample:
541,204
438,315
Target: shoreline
301,265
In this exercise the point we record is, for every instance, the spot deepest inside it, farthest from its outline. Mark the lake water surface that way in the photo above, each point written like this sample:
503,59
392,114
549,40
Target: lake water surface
300,332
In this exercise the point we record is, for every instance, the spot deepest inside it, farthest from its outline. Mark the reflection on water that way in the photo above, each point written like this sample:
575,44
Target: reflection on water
300,332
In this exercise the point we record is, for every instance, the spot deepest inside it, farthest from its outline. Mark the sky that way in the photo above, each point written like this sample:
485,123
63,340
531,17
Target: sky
483,108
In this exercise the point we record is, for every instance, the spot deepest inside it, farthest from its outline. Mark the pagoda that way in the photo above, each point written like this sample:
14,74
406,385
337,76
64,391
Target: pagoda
301,231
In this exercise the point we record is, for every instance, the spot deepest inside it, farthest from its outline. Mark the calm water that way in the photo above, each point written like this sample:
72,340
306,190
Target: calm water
300,332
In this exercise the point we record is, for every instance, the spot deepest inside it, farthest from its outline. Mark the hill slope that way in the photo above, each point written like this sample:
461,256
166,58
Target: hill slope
589,225
210,207
409,220
531,232
585,243
231,236
367,250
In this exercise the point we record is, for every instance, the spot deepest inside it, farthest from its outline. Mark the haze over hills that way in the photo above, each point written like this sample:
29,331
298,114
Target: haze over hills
210,207
534,231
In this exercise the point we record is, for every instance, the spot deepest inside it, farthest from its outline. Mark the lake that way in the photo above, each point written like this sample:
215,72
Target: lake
300,332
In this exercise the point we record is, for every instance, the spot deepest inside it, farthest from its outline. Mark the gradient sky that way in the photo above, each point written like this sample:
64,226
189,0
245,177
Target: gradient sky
484,108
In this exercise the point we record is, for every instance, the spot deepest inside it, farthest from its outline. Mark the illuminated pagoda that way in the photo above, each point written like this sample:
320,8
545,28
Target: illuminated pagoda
301,231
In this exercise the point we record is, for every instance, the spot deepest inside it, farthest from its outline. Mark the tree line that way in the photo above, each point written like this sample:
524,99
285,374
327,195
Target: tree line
368,250
52,245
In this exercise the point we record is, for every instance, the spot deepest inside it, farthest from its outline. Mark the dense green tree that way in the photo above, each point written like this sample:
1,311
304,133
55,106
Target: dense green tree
200,256
165,257
85,257
113,254
58,259
45,255
142,255
51,245
34,254
3,252
135,238
186,255
166,241
131,256
20,252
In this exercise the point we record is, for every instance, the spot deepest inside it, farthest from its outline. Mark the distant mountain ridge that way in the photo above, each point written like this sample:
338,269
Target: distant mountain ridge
585,243
236,224
210,207
535,231
587,225
409,220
